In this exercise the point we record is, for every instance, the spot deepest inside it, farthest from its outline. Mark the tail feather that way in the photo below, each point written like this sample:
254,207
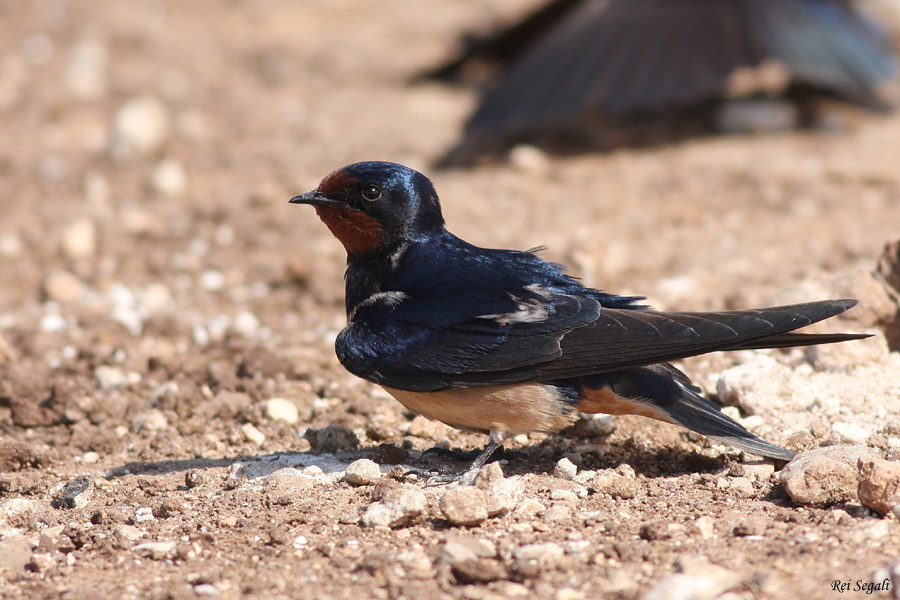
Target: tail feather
663,392
699,414
789,340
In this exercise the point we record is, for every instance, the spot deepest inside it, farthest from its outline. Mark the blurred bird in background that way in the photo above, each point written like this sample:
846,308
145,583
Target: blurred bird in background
579,75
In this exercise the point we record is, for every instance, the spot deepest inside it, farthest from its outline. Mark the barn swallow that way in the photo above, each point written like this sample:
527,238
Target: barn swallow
503,342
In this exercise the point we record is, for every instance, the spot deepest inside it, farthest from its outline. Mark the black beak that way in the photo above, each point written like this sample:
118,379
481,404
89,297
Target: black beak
315,198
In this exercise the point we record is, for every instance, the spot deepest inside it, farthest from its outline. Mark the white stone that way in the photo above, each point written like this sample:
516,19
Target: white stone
252,434
564,495
155,550
156,298
849,433
63,286
246,324
170,178
79,239
86,73
151,420
212,280
399,508
143,514
758,385
362,472
546,553
110,377
565,469
11,245
140,127
281,409
52,322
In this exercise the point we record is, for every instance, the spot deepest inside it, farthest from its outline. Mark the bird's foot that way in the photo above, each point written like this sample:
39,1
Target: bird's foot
493,450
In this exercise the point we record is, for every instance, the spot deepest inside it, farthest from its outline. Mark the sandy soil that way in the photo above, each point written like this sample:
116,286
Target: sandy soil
156,289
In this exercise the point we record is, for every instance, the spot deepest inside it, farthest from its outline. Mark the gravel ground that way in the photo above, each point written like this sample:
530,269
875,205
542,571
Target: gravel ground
173,420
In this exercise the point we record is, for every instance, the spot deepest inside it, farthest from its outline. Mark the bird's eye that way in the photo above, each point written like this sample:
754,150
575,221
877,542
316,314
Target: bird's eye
371,193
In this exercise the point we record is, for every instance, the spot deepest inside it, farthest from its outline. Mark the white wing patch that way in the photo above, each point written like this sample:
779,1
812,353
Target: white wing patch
532,310
389,299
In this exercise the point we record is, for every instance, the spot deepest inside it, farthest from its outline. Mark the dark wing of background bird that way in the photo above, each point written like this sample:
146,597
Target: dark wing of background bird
612,59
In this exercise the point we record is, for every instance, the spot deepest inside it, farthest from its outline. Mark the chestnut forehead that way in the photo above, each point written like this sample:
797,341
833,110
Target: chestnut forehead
337,181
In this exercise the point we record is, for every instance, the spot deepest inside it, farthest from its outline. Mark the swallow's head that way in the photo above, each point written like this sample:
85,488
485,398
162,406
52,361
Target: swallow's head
376,206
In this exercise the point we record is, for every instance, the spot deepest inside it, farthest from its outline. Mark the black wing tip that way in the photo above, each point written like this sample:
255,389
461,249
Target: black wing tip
844,303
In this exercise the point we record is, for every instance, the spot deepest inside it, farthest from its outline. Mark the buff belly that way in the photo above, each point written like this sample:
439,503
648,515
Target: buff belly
513,409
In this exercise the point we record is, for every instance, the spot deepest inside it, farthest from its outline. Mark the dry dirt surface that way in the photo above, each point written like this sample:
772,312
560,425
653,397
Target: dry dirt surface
158,296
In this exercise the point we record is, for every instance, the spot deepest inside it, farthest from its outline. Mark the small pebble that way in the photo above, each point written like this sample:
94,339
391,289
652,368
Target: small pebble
193,478
281,409
563,495
63,286
428,429
155,550
760,384
465,506
503,494
761,471
11,245
53,322
246,323
565,469
143,514
704,527
252,434
558,513
86,73
170,178
459,548
398,508
879,484
849,433
140,127
155,298
362,472
533,558
741,486
151,420
531,507
618,483
211,280
750,527
110,377
481,570
331,439
79,239
128,533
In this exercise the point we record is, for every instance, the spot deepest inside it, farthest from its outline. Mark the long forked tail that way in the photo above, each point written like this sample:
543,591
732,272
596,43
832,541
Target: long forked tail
663,392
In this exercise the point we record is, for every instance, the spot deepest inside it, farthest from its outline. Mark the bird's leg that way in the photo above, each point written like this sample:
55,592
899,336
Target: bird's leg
495,443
